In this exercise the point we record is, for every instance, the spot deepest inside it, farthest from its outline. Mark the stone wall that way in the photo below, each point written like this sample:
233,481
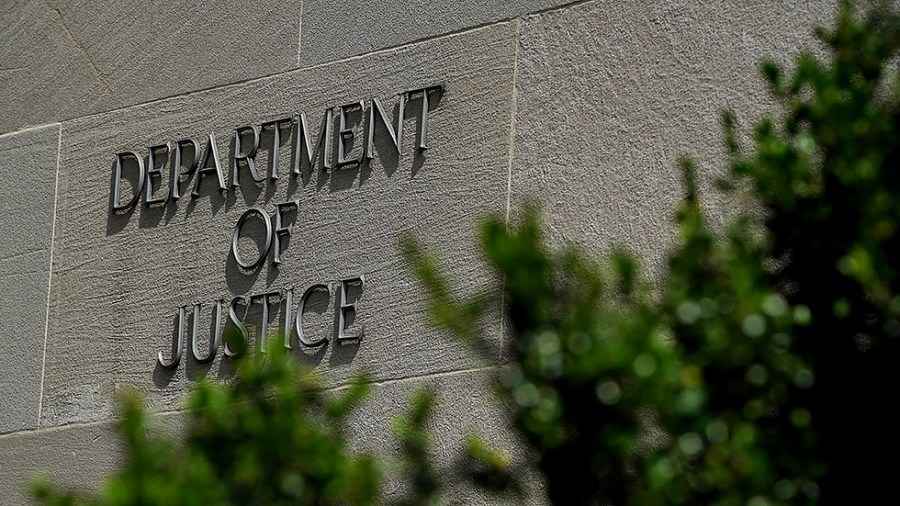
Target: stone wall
582,106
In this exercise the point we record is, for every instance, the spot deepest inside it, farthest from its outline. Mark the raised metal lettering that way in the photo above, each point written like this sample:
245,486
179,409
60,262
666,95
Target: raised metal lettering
323,144
345,134
280,230
276,143
346,307
175,188
153,170
214,339
396,134
288,299
177,344
423,125
233,317
116,205
249,156
211,151
237,232
298,321
264,327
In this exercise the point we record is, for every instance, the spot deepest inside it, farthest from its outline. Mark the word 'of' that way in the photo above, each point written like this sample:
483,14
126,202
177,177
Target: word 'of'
291,324
244,153
274,235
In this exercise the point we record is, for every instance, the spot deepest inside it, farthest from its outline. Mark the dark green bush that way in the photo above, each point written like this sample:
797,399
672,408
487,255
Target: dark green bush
271,438
762,368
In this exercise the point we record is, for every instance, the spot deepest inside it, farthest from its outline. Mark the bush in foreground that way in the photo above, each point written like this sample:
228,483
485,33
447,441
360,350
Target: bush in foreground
761,369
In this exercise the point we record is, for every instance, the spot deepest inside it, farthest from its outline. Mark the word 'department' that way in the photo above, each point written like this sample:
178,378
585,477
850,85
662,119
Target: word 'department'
345,136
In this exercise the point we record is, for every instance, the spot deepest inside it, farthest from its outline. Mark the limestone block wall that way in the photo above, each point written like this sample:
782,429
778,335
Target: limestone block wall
582,106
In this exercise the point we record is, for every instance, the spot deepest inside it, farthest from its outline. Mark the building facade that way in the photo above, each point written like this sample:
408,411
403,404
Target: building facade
175,168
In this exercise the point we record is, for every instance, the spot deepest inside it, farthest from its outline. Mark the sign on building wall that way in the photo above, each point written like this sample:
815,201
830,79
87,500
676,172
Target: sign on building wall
162,174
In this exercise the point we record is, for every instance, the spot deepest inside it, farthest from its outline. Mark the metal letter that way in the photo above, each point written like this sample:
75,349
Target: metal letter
423,126
232,315
323,143
264,328
298,321
248,157
153,170
175,191
346,134
276,144
237,233
345,308
178,344
214,339
117,181
288,302
211,150
396,135
280,229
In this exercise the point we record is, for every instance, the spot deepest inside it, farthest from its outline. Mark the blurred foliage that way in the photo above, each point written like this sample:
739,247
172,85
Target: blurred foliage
761,369
272,437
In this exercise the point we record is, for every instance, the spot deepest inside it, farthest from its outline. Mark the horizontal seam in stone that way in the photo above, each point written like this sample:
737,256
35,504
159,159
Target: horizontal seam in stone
157,414
441,374
452,33
313,67
404,45
32,128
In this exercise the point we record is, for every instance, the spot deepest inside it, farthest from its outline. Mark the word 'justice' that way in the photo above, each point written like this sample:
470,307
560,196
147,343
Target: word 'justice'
293,326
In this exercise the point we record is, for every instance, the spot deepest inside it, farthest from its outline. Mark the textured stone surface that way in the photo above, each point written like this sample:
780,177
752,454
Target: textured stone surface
62,60
610,96
28,165
73,457
466,405
119,279
337,29
80,456
44,77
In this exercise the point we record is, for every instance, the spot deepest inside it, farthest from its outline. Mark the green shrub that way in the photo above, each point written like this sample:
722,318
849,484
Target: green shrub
761,369
272,437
